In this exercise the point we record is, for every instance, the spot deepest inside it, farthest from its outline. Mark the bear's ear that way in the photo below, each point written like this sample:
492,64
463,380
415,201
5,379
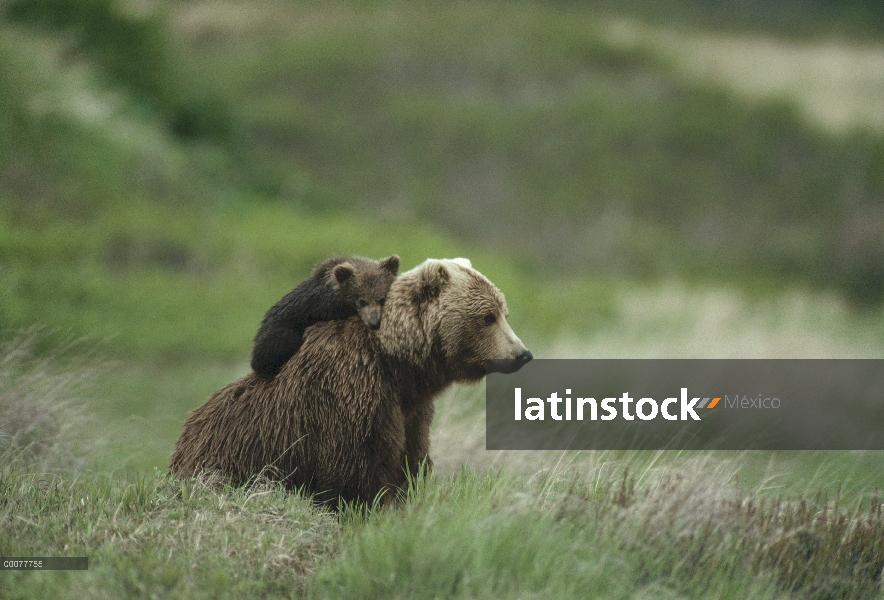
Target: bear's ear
432,281
343,272
464,262
390,265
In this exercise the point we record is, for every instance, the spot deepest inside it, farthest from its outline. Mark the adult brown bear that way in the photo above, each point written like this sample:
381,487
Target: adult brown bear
354,406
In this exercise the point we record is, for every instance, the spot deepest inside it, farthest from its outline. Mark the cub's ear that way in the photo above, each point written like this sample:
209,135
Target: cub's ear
433,280
343,272
390,265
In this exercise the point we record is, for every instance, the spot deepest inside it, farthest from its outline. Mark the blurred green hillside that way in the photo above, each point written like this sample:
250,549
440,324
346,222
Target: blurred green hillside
801,19
169,169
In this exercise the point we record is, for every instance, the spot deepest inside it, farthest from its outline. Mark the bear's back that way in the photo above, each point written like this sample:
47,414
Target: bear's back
320,423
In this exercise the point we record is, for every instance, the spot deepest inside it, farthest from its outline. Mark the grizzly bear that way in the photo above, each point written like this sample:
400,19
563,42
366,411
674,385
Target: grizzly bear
351,411
338,288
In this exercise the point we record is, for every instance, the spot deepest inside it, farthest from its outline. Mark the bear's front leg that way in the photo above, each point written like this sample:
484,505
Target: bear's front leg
417,439
379,468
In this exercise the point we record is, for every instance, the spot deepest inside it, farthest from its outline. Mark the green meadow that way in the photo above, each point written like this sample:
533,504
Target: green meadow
629,175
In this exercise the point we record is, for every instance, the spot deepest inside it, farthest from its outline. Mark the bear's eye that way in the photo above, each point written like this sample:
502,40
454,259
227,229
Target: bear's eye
382,301
363,303
490,318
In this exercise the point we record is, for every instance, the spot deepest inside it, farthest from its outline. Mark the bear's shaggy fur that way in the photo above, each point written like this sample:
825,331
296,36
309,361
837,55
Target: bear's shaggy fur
353,407
338,288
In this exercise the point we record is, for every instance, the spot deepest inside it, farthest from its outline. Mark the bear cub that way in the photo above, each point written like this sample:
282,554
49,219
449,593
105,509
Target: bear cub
339,288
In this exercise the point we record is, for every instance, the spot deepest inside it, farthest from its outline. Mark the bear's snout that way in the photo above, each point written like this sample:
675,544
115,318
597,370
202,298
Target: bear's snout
510,365
525,356
371,316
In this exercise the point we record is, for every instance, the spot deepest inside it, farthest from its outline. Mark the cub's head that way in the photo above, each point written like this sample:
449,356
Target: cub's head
458,316
364,285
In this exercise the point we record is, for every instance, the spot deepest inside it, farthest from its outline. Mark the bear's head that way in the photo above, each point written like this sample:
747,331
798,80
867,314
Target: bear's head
364,284
450,317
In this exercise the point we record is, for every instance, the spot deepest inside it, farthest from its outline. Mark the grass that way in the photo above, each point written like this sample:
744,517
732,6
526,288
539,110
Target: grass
514,524
675,531
43,405
610,537
147,537
163,283
626,204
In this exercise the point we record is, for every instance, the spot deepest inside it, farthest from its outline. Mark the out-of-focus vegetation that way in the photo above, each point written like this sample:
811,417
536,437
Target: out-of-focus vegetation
520,127
173,167
801,19
43,413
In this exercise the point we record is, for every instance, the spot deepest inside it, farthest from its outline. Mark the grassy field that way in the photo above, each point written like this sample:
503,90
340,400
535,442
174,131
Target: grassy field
518,524
631,196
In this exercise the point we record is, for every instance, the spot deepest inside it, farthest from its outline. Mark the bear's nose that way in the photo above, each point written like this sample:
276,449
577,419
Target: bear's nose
508,365
374,323
525,356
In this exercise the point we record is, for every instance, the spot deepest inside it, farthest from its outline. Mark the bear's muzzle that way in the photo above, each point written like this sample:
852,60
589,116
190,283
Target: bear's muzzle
508,365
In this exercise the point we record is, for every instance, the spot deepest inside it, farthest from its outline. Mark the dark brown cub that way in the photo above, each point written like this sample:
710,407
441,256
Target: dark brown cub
339,288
